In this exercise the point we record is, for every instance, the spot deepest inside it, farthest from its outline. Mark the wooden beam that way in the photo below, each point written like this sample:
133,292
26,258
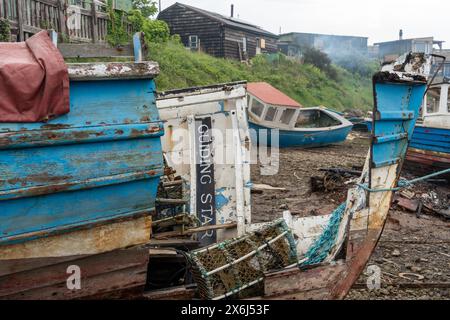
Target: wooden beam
94,25
194,230
61,8
19,6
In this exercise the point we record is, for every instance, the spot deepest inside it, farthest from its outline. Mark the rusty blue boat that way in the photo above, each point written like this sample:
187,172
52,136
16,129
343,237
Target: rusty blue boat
80,189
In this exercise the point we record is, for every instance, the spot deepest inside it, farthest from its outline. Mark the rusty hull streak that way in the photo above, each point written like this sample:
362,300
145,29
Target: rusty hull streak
356,264
72,135
73,185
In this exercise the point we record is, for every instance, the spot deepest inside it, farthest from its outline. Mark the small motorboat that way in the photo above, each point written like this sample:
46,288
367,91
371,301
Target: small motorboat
269,109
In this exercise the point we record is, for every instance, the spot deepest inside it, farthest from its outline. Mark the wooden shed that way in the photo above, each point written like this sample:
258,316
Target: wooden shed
218,35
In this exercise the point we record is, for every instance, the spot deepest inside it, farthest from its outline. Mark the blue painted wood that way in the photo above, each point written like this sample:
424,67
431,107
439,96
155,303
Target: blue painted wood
304,139
431,139
397,108
99,163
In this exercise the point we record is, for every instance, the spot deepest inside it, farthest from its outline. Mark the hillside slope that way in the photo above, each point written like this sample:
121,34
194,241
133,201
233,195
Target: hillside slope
305,83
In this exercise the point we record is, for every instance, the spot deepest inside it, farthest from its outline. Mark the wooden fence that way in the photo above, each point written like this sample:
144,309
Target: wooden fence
28,17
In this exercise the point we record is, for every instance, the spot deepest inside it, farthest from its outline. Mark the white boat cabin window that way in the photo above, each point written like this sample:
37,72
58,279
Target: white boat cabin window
287,115
270,114
257,107
433,99
315,119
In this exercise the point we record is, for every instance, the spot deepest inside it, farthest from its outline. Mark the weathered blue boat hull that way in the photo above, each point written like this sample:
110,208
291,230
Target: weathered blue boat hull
290,139
99,163
431,139
392,129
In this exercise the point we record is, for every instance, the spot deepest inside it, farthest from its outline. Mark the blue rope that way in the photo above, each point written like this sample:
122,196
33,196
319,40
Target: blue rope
323,245
404,183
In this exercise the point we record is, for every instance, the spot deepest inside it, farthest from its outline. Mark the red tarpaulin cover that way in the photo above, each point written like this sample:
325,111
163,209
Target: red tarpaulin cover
34,83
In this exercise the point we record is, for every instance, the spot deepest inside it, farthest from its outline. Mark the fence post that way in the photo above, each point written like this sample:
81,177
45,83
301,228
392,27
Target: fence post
20,35
62,17
94,23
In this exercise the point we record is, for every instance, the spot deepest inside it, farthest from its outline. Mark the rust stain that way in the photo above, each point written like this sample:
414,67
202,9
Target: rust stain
55,126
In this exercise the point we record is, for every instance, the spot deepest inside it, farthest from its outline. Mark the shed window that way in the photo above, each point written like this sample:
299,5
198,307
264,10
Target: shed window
262,43
257,107
287,115
193,42
271,113
433,98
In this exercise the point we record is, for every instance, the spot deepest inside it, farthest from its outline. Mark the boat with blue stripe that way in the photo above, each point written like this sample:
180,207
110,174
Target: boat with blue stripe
278,120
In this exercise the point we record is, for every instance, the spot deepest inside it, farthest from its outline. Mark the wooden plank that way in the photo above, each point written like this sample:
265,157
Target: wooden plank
106,283
20,20
94,50
194,230
177,293
294,281
116,70
90,241
55,276
94,25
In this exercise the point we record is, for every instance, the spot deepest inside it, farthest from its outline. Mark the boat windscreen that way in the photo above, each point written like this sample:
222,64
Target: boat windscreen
315,119
433,99
287,115
270,114
257,107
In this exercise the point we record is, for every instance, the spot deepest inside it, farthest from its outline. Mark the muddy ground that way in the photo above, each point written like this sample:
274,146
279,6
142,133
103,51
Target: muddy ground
414,252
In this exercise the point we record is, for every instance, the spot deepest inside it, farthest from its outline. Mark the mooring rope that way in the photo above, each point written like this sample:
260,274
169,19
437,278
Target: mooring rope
404,183
318,252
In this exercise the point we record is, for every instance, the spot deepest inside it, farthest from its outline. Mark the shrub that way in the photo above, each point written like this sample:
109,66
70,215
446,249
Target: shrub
320,60
5,30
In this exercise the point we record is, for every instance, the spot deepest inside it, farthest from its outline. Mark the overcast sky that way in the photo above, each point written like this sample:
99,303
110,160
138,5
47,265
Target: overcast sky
379,20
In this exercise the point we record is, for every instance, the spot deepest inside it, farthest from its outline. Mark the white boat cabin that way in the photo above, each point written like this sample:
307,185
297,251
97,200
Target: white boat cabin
271,108
436,110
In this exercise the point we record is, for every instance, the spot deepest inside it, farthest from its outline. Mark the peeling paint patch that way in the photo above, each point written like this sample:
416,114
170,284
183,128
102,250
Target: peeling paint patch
221,200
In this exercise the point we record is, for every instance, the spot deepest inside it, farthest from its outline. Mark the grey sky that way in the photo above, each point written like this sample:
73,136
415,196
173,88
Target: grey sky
379,20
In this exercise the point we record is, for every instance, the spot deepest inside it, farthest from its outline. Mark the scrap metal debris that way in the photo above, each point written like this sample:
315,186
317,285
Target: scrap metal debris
424,198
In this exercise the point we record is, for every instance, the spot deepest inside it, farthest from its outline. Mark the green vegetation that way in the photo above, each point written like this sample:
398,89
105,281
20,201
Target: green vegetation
5,30
139,18
303,82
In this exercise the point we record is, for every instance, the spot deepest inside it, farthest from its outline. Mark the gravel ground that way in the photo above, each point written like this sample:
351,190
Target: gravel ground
413,253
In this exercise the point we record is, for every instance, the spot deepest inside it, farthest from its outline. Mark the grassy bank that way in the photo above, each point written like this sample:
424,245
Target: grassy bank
305,83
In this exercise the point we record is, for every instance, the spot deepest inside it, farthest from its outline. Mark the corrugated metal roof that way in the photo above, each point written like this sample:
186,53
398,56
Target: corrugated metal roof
270,95
232,22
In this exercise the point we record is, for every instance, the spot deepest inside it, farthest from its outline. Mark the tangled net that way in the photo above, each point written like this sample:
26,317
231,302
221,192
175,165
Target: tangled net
228,268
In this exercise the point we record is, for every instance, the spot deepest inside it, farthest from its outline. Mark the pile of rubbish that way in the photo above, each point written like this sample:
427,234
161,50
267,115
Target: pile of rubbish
424,199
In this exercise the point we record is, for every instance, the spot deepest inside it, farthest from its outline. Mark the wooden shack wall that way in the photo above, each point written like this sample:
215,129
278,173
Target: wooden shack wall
185,22
234,36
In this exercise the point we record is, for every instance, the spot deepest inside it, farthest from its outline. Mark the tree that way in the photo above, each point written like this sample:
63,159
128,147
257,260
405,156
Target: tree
320,60
147,7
